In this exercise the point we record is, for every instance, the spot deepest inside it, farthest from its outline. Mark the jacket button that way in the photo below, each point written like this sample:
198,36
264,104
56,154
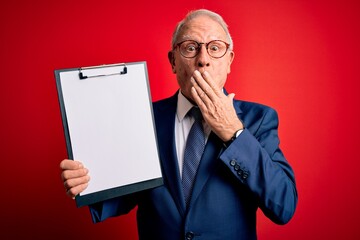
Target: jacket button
237,167
189,235
232,163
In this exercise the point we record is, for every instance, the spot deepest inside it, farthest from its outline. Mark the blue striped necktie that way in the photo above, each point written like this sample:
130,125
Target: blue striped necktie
194,149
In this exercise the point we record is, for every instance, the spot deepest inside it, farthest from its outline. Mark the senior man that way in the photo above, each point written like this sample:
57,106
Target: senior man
220,157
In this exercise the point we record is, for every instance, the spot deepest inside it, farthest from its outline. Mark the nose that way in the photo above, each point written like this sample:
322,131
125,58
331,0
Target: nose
203,58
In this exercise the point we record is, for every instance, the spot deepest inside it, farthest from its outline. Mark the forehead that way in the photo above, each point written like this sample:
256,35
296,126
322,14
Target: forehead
202,28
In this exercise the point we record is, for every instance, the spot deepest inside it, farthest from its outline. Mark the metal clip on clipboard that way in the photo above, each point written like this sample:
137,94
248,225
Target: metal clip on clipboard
82,76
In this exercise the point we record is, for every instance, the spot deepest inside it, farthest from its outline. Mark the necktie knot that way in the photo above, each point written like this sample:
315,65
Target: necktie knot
195,113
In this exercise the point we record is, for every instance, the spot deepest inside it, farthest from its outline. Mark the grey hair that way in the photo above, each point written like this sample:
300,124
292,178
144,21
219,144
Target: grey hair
201,12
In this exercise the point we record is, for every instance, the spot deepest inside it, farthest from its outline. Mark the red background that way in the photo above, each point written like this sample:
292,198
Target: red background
300,57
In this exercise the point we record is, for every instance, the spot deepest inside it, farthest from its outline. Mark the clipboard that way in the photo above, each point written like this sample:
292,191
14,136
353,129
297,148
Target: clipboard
109,126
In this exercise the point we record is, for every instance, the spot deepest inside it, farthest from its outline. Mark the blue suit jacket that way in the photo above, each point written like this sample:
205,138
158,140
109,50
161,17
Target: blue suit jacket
231,184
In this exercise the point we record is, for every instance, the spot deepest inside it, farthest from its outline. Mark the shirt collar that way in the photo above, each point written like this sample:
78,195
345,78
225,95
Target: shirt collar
183,106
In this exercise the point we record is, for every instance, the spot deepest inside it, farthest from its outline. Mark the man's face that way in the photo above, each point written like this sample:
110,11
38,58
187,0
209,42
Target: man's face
203,30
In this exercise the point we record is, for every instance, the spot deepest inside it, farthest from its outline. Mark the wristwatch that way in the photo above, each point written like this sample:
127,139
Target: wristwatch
236,134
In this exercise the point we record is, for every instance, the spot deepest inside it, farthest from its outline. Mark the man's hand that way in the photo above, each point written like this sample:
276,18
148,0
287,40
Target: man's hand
74,176
217,108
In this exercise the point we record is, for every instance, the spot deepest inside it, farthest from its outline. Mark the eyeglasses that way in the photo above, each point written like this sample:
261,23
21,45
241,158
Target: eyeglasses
191,48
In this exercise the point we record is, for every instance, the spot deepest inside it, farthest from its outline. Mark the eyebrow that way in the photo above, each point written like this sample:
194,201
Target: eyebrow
188,37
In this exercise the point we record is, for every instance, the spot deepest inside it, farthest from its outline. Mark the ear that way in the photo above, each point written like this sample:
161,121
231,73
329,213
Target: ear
231,58
171,58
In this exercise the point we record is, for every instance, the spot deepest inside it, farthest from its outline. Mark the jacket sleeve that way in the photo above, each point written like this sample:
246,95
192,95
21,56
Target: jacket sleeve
257,161
112,207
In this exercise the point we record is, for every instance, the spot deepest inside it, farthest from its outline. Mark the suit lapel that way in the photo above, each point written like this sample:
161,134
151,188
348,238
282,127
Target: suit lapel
209,160
165,128
206,166
167,150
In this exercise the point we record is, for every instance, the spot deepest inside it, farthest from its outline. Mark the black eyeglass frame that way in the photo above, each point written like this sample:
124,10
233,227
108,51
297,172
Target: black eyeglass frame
206,46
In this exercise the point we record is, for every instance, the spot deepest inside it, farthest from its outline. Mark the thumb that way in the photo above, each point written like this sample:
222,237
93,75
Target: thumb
231,96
